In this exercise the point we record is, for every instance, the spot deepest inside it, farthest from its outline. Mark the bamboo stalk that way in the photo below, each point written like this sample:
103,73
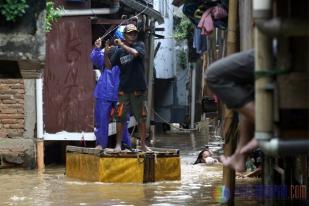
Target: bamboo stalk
230,135
263,95
264,101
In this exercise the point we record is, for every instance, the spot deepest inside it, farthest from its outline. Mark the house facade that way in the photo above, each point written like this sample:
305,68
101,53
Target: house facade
59,105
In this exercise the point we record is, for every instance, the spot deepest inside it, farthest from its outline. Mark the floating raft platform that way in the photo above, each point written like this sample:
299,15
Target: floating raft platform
105,165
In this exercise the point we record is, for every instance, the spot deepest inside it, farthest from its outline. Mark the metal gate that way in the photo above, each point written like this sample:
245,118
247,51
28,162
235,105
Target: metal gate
68,80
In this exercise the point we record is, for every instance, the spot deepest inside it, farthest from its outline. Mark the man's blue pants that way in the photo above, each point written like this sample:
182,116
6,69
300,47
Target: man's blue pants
102,118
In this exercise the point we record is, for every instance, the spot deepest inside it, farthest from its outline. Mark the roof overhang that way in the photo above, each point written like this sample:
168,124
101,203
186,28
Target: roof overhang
178,3
138,6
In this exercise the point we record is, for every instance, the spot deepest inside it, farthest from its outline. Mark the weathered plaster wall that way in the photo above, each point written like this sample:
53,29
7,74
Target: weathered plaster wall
23,42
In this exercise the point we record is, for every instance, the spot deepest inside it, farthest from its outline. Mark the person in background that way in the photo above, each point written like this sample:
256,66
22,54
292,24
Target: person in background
129,56
106,96
205,156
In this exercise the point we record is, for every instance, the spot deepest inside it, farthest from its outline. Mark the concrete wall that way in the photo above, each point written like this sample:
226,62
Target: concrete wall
30,109
164,60
172,77
17,123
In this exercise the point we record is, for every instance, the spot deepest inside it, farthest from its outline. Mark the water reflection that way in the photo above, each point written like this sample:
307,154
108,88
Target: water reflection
20,187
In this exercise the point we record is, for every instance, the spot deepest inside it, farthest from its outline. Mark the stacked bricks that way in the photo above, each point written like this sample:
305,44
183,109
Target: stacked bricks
11,108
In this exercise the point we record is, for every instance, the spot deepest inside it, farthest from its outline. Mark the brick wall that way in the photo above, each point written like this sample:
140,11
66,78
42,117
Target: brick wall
11,108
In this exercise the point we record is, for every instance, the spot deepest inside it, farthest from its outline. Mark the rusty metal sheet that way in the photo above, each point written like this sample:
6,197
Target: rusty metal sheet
68,77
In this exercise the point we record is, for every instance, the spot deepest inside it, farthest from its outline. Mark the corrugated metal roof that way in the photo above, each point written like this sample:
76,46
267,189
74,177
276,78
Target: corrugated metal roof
138,6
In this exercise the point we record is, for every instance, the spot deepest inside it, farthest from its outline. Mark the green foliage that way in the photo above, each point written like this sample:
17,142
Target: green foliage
183,29
182,59
11,9
52,15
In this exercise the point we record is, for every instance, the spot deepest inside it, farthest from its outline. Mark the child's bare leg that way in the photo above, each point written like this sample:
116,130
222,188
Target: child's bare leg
250,146
142,129
249,111
120,126
237,160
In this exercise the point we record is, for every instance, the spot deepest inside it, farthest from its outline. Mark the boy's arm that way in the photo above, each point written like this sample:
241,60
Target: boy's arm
130,50
97,55
140,48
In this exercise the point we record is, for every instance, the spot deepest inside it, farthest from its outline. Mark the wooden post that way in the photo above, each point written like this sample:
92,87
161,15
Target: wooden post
230,132
40,154
150,78
232,28
230,140
39,124
204,67
205,91
193,94
245,24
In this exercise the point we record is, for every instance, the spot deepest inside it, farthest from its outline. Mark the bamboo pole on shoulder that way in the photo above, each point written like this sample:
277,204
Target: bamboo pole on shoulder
230,129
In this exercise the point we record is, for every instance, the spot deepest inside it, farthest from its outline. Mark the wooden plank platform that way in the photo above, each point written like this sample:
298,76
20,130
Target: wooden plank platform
106,165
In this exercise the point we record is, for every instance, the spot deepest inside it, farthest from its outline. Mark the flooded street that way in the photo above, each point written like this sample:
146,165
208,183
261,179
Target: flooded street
197,185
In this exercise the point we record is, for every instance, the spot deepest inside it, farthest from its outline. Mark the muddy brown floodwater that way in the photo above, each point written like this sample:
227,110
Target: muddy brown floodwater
196,187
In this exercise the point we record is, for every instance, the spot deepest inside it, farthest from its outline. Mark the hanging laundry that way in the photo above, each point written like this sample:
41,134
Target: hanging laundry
199,41
206,23
194,9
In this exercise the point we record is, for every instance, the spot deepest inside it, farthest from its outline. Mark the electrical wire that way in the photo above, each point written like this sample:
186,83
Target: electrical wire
125,20
171,125
160,117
